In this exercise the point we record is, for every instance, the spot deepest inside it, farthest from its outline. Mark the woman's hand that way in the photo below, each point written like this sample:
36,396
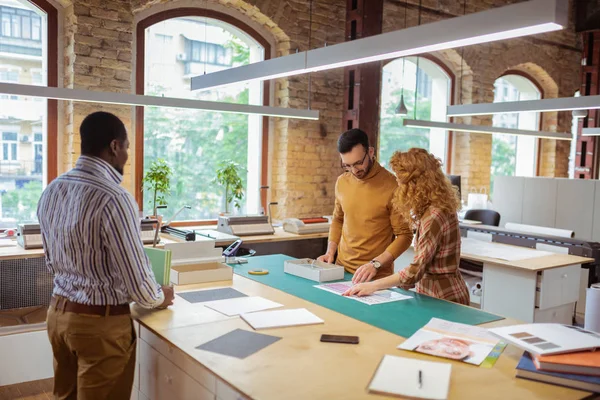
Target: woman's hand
362,289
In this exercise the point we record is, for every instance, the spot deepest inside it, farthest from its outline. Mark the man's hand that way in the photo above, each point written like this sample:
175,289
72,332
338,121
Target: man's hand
362,289
169,296
327,258
364,273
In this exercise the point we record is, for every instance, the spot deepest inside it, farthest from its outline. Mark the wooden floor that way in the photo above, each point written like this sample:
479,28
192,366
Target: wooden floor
35,390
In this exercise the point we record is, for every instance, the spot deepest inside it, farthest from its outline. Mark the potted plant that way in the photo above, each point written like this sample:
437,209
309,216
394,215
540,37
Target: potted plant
228,176
157,180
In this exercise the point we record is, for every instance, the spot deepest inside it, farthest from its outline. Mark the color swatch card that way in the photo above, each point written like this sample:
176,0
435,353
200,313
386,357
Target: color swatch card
460,342
239,343
408,377
379,297
546,339
281,318
242,305
203,296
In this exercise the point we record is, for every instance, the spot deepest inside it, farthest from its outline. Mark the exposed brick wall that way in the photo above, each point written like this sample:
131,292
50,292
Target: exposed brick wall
98,38
98,45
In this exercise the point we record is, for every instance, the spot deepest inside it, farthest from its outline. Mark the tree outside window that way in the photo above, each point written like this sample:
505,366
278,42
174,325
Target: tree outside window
433,94
193,142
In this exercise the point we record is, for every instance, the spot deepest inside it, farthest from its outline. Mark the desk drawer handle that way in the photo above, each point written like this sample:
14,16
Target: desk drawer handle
564,276
169,379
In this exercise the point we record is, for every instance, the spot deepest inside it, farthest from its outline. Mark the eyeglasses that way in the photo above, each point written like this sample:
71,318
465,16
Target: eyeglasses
356,165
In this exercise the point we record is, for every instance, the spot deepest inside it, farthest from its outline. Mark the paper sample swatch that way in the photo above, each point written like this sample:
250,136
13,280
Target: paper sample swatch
239,343
202,296
281,318
242,305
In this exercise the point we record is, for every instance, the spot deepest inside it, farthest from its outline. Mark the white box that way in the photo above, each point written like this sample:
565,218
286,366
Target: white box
200,273
314,270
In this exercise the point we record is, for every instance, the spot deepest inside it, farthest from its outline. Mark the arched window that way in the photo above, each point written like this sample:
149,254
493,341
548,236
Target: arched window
28,149
433,87
515,155
193,142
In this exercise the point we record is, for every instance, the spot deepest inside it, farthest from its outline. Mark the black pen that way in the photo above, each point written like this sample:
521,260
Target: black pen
420,379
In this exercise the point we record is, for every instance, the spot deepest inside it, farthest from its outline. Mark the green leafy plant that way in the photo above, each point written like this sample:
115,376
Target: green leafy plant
228,176
157,180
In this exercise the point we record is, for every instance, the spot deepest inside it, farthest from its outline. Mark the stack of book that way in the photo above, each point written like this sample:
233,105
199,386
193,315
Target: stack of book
557,354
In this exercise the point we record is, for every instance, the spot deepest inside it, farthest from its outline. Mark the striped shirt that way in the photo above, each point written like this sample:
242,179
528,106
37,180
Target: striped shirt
91,237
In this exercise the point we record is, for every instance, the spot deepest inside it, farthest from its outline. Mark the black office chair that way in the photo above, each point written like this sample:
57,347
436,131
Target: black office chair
486,217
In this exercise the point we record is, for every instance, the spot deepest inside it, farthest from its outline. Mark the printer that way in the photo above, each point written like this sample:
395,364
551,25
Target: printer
245,225
29,236
305,226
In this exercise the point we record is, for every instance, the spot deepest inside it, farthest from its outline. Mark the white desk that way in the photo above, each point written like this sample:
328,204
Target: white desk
541,289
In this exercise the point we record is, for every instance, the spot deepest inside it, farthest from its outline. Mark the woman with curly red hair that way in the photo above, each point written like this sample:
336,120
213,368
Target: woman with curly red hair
426,197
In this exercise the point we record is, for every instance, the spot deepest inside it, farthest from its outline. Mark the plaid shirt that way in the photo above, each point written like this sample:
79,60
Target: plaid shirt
434,270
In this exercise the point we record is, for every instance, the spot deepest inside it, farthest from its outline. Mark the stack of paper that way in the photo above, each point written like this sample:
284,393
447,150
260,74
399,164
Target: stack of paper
281,318
408,377
242,305
161,264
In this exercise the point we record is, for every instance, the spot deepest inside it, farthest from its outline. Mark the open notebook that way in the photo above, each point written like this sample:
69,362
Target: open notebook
411,378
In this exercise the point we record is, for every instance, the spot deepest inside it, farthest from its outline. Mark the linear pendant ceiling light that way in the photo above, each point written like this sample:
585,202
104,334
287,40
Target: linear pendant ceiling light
413,123
516,20
154,101
590,132
545,105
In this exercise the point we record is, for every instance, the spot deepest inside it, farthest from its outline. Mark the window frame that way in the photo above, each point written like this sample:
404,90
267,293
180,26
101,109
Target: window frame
140,88
438,62
537,85
51,53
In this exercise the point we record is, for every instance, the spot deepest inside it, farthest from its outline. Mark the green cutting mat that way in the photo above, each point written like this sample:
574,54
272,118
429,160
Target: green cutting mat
401,317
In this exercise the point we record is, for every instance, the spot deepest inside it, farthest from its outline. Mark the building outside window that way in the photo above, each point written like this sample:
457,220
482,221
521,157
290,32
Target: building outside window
515,155
194,142
23,128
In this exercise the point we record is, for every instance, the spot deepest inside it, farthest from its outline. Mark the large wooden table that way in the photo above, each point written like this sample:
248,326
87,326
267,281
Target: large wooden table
299,366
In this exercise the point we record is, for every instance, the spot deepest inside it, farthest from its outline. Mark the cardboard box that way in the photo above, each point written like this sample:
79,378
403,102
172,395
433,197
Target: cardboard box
314,270
199,273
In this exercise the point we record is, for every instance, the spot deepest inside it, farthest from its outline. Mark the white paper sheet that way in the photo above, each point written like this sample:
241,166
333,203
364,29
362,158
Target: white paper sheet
499,251
281,318
400,376
242,305
379,297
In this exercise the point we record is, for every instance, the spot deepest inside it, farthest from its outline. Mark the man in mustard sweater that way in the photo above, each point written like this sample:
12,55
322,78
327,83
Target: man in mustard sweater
366,231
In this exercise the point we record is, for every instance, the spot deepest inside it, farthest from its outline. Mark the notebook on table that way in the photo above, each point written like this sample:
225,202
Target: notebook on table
411,378
161,264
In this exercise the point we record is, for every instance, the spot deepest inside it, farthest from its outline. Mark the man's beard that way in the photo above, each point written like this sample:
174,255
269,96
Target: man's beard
365,172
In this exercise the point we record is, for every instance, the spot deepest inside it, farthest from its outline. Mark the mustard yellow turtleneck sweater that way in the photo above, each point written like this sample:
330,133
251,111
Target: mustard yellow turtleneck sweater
364,222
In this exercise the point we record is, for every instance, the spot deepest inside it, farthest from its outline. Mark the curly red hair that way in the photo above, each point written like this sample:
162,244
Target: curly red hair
422,184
